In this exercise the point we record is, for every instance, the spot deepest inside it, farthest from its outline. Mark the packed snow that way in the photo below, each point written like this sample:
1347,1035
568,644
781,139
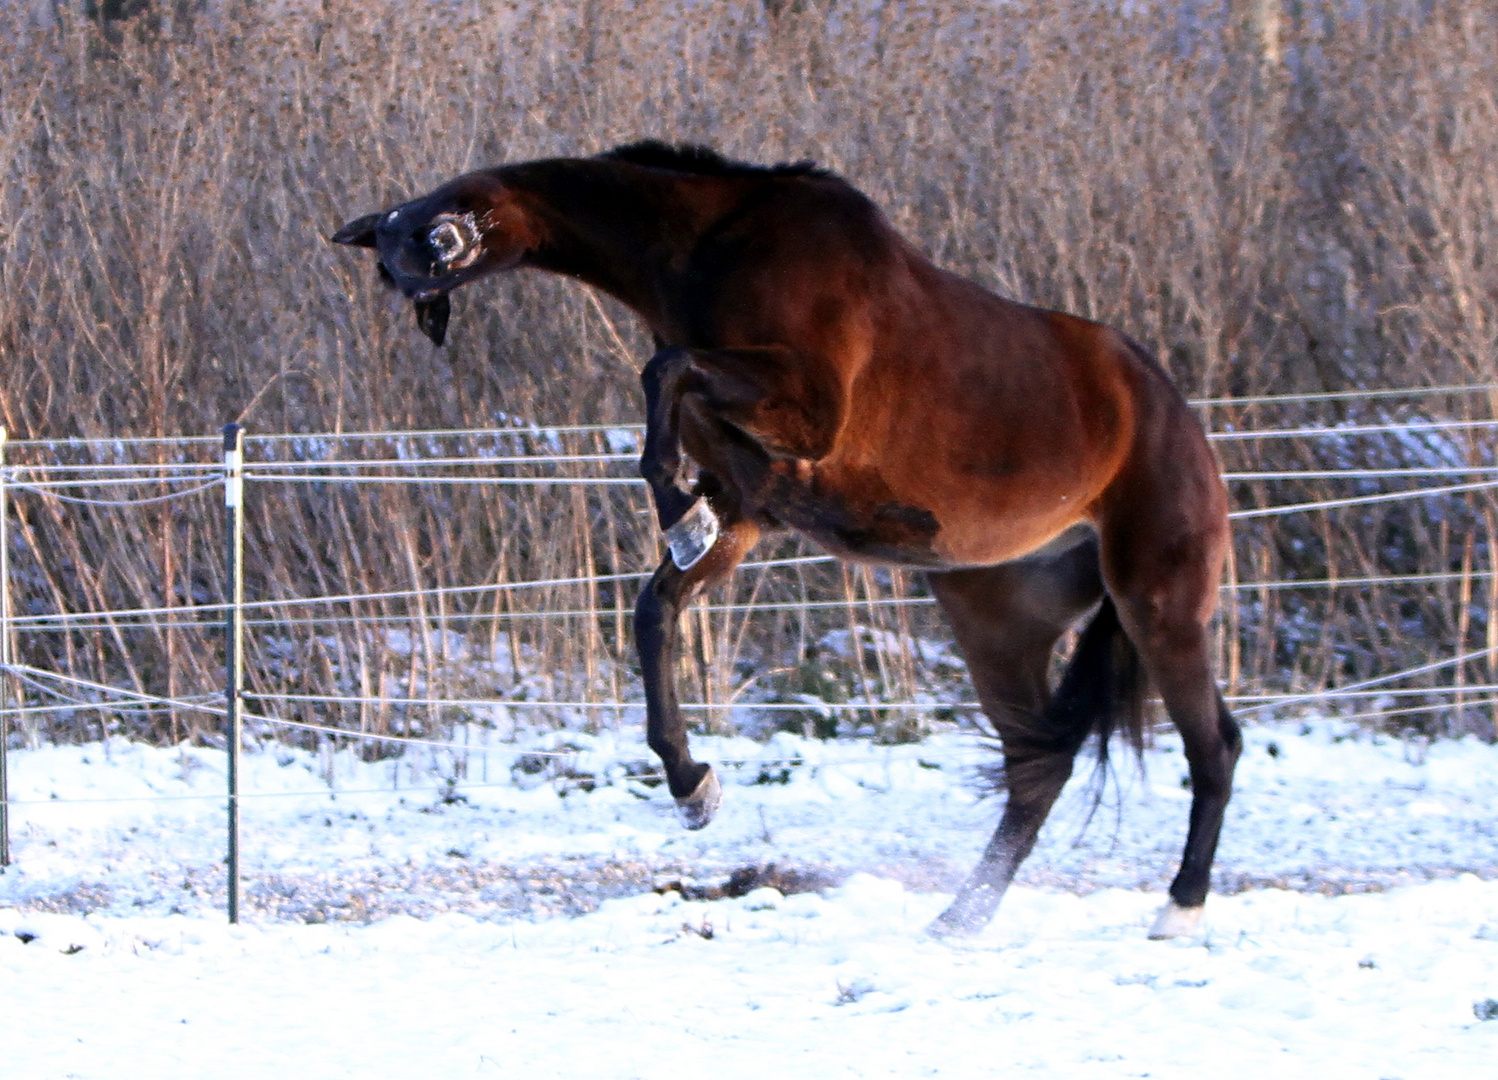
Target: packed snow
452,914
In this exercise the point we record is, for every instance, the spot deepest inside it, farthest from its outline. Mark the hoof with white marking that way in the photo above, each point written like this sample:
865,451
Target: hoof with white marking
698,808
1175,921
693,536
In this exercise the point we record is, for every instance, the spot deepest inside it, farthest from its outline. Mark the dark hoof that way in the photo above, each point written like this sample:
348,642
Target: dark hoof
698,808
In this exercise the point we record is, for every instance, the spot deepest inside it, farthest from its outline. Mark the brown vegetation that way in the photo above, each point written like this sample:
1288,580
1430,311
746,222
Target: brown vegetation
1317,215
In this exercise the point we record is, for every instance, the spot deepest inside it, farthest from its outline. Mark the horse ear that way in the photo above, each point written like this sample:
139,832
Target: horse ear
360,232
431,317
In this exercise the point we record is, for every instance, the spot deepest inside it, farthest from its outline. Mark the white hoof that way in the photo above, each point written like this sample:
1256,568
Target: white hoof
1175,921
693,536
698,808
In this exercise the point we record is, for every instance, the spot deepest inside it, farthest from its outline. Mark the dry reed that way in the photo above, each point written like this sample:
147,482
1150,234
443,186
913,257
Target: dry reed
1305,210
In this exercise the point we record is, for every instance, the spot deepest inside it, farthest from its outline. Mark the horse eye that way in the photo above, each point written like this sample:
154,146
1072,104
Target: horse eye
446,240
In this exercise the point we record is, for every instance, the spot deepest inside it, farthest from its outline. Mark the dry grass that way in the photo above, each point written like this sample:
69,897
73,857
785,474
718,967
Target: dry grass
1323,221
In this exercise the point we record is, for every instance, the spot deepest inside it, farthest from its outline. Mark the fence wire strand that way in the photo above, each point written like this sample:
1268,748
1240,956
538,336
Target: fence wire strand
52,479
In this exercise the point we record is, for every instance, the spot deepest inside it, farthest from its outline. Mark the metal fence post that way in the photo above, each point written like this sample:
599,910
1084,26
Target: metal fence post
5,658
233,641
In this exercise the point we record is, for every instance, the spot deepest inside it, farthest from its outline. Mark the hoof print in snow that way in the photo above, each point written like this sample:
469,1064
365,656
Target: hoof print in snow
1487,1009
852,993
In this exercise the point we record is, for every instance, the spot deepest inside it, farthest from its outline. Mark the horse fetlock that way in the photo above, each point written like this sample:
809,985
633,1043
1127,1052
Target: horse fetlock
1177,921
699,808
693,536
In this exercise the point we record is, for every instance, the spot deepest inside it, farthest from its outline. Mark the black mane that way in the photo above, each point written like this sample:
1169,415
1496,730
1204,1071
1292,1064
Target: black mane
702,160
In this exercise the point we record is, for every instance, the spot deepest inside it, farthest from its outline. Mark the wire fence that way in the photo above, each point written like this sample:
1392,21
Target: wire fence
1361,583
39,478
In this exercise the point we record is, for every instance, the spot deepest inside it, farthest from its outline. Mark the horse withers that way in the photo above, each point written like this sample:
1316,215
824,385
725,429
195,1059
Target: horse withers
816,372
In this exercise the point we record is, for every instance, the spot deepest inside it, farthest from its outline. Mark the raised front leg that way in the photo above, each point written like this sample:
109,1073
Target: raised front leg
775,397
657,638
661,462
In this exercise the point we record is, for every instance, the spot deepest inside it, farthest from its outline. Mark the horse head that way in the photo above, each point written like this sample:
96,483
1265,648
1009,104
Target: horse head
429,246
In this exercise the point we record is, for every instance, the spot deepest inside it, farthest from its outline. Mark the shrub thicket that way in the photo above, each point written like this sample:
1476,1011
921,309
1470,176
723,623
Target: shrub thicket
1305,210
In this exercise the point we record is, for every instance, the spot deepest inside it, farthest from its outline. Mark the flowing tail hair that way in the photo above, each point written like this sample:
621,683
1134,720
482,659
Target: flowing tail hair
1102,692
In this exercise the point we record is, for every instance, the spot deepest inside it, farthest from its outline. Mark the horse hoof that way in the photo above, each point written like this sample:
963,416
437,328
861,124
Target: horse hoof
1175,921
965,918
943,928
698,808
693,536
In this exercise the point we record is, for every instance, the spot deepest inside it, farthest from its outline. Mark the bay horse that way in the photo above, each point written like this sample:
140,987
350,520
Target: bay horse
816,372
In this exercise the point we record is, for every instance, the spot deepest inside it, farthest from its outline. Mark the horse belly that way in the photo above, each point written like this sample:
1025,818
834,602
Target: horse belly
854,513
857,514
855,518
992,538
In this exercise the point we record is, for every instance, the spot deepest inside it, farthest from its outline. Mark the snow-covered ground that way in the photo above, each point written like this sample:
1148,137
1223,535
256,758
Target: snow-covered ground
506,925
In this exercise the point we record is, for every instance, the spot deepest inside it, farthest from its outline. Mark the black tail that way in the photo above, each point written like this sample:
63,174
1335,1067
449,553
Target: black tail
1102,692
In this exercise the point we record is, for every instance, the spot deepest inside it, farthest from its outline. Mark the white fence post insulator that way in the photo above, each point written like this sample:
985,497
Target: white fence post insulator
6,659
234,642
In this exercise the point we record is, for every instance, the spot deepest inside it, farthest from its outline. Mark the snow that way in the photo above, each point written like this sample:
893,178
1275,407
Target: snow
475,922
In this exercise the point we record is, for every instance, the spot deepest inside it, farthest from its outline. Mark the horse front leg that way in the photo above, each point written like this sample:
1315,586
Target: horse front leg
693,784
786,403
734,411
661,461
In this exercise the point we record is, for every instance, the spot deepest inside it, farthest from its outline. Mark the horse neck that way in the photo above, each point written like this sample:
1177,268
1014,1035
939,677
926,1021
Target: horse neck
616,227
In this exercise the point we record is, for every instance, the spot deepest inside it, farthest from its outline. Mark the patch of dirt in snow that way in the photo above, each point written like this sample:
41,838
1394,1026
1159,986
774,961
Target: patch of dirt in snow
564,887
481,889
576,886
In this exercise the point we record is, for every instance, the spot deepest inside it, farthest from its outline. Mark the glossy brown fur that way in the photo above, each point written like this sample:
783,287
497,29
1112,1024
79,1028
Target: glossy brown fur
816,372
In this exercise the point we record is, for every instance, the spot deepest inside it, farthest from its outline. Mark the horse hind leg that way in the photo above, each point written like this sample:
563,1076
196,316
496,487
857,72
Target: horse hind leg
1165,596
1213,743
1007,620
